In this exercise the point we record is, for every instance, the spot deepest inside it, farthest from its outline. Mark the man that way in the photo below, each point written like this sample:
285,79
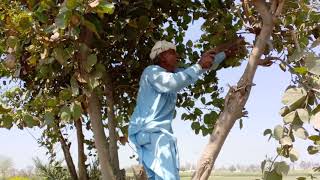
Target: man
150,124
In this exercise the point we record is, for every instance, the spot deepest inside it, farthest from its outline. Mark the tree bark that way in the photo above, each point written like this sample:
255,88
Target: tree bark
94,111
236,97
83,174
112,125
67,155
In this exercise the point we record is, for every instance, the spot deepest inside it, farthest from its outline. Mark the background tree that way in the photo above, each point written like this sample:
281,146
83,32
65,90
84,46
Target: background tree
5,165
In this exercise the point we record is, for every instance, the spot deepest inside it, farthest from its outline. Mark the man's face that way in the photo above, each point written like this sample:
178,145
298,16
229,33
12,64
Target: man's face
169,60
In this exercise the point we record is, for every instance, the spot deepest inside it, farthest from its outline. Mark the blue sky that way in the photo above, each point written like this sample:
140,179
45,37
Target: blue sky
246,146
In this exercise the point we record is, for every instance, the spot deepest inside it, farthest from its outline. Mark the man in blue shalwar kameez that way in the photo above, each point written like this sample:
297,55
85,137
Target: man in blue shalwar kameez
150,124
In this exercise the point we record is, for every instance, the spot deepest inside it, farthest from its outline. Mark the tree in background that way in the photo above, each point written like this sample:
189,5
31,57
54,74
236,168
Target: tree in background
6,165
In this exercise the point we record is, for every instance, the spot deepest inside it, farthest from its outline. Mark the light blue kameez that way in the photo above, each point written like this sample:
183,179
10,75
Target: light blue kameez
150,124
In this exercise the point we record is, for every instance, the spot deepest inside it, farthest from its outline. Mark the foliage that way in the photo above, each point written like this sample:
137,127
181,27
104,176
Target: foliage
51,171
301,98
41,43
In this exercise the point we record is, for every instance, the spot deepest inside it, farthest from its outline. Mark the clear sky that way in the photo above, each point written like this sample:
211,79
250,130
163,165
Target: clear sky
246,146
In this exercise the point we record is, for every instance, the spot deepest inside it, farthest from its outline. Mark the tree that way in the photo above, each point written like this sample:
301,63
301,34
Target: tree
280,30
75,56
5,166
84,59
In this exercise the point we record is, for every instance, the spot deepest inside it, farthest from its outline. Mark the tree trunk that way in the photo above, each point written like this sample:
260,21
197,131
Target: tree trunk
94,111
112,125
83,174
67,155
236,97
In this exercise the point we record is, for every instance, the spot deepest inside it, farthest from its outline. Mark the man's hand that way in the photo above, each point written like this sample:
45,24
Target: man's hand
206,59
231,48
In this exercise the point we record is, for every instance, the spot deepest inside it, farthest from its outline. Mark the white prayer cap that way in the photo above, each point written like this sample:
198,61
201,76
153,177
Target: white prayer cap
160,47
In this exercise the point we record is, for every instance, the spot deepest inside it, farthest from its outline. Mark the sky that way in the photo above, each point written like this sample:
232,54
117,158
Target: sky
245,146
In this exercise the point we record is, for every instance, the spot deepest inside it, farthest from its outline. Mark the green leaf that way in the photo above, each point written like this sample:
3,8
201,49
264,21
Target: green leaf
203,100
282,168
315,120
301,178
12,41
278,132
197,111
65,114
30,121
4,110
316,110
74,86
63,18
313,150
313,64
52,102
314,138
286,141
301,70
105,7
71,4
273,175
189,43
294,97
91,61
296,56
240,123
76,110
207,119
300,132
289,118
93,81
267,131
195,125
91,26
65,94
284,111
283,67
293,155
303,114
25,21
49,118
6,121
60,55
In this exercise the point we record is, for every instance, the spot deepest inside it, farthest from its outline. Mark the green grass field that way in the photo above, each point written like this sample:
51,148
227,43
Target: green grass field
227,175
249,176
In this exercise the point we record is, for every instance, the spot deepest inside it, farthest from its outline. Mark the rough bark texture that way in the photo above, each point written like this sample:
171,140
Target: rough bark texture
94,111
67,155
83,174
112,125
236,97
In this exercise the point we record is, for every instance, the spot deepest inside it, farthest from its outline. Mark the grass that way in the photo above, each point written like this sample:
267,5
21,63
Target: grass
227,175
248,176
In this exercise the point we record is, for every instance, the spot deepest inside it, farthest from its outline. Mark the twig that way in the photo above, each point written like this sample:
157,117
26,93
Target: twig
274,160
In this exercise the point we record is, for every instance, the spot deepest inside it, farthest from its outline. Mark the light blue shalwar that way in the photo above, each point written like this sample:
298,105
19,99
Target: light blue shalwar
150,124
